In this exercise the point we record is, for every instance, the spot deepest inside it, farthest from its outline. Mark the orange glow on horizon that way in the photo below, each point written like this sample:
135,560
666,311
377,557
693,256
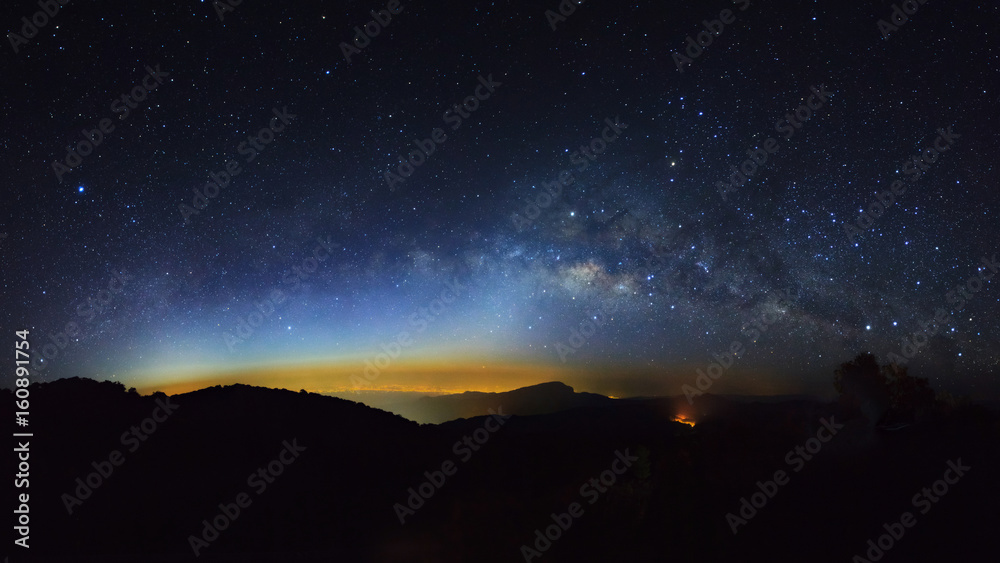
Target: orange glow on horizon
449,375
433,377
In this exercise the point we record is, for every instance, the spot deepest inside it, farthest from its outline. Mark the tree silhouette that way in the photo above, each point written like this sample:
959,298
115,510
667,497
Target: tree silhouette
861,385
883,393
910,397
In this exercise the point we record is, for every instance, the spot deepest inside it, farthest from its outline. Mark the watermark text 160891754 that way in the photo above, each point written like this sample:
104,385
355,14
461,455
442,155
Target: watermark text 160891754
23,449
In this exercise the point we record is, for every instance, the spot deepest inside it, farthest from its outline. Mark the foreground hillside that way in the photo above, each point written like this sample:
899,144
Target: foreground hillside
342,481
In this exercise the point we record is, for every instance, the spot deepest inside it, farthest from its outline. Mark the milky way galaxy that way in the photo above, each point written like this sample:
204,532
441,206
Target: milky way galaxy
198,195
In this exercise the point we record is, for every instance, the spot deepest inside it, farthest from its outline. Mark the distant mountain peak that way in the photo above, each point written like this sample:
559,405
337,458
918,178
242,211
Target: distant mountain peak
543,398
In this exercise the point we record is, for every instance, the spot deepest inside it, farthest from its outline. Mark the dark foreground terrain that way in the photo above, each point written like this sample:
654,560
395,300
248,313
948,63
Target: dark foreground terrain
339,469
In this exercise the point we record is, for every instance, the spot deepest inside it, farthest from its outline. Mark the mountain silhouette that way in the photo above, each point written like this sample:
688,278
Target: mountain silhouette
342,478
543,398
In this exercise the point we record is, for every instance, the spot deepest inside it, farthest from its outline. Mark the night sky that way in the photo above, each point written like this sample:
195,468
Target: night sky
321,248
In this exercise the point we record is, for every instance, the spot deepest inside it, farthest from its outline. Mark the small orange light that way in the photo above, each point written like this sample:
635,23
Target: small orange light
683,420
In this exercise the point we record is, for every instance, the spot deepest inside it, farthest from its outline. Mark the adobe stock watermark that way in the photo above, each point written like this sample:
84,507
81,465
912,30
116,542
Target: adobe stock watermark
957,297
579,337
258,480
245,327
221,179
420,321
725,360
923,500
436,479
713,29
90,309
94,137
133,438
592,490
49,9
915,167
223,6
899,17
795,458
757,156
453,117
654,262
566,9
553,190
363,37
